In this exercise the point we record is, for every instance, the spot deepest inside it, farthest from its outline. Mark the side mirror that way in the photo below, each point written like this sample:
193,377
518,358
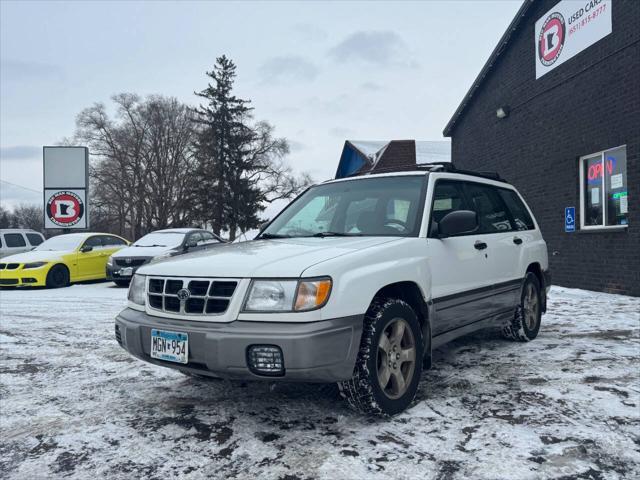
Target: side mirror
459,222
86,248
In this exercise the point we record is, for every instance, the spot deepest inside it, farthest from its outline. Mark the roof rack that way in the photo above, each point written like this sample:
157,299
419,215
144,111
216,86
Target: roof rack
431,167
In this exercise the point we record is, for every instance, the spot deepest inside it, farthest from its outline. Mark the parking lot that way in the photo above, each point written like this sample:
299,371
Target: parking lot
75,405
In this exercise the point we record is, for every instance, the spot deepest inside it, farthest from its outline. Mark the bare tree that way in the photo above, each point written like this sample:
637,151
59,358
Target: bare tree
27,216
141,167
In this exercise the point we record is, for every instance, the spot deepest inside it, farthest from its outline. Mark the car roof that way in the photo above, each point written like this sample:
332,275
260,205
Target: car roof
471,176
176,230
85,234
18,230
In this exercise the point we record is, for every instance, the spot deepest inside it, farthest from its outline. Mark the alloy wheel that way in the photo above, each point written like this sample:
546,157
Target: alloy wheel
530,307
396,358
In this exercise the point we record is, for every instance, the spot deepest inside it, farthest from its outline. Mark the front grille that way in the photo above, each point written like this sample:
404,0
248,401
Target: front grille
130,262
206,297
8,281
118,334
12,266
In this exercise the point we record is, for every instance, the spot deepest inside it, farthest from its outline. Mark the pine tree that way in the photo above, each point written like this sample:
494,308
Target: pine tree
222,131
239,164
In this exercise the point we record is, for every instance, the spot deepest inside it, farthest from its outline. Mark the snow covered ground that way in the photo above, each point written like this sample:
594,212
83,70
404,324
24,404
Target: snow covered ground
75,405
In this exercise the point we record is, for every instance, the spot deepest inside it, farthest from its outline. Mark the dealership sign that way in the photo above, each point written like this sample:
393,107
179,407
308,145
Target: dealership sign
66,171
567,29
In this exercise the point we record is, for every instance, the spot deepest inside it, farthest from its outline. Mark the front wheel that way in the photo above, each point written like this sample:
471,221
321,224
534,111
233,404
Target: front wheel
58,277
525,324
389,362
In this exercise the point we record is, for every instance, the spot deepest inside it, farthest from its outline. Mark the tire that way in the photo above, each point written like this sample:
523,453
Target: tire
367,391
525,324
58,277
122,283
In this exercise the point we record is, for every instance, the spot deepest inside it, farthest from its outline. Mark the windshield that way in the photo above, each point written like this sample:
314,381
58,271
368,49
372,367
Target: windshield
160,239
386,206
61,242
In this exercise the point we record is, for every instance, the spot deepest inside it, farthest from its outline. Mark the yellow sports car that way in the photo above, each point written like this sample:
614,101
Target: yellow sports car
61,260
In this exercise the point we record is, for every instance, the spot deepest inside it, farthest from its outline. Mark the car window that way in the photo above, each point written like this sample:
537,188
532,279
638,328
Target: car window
492,213
357,208
398,209
447,197
194,238
34,239
93,242
112,241
365,206
521,217
14,240
208,237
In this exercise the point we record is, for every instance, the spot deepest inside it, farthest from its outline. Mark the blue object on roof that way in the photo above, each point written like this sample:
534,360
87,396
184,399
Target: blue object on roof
365,156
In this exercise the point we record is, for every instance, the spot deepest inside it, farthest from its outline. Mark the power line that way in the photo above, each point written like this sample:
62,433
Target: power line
21,186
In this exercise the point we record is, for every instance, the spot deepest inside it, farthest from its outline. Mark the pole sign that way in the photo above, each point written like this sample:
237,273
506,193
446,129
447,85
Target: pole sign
567,29
66,183
570,219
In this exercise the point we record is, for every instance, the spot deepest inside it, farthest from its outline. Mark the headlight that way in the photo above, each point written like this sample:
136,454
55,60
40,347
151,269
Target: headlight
34,265
287,295
136,289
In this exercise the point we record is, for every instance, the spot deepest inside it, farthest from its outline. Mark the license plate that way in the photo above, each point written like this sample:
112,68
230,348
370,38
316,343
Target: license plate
126,272
170,346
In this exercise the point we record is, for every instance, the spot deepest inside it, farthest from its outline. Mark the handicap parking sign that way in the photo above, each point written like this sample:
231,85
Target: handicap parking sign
570,219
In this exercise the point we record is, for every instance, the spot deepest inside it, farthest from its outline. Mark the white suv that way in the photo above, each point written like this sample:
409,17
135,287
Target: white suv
18,240
355,282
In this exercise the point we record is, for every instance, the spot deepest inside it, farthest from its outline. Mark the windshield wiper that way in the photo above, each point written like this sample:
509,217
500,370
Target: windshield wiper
268,236
335,234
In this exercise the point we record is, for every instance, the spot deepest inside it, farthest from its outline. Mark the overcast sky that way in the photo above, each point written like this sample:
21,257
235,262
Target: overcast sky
321,72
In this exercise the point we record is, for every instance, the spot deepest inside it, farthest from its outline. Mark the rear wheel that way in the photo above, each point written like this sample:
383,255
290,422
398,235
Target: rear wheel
389,363
58,276
525,324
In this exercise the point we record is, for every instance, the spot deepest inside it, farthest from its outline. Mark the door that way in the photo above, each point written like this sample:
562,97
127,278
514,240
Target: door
496,230
461,285
92,262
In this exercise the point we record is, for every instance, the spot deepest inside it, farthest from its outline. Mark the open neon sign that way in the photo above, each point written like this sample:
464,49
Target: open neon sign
597,169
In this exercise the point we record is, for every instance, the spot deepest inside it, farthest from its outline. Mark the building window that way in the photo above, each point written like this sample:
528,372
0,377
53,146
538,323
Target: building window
604,201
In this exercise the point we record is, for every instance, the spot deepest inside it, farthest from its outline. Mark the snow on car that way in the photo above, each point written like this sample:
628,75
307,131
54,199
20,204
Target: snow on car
75,405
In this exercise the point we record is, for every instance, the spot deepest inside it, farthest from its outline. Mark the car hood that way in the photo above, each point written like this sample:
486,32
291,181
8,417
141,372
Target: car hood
141,251
262,258
36,256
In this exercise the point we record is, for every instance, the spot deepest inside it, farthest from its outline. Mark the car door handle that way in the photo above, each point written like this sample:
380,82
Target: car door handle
479,245
517,240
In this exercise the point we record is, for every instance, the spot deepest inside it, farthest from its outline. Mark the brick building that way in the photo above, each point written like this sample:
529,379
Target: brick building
556,111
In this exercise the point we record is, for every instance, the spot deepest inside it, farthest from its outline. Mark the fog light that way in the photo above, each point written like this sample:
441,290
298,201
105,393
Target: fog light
29,280
265,360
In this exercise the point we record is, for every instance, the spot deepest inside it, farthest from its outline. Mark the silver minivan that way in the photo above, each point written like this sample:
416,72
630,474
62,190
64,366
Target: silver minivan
18,240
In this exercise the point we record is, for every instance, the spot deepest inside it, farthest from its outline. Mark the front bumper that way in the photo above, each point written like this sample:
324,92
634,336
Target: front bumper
323,351
20,277
112,272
